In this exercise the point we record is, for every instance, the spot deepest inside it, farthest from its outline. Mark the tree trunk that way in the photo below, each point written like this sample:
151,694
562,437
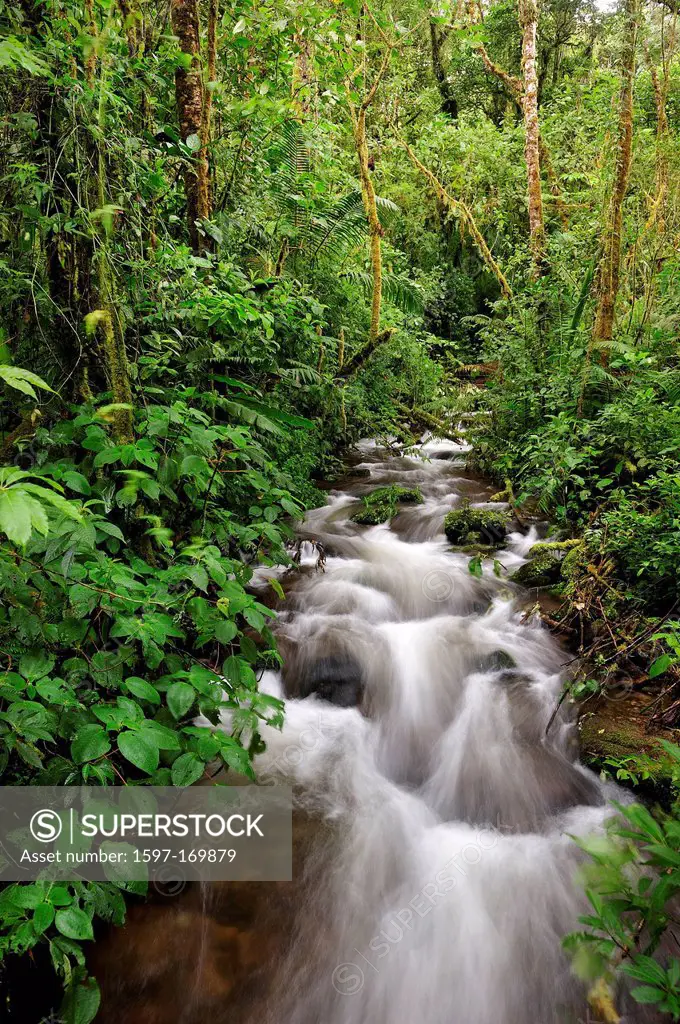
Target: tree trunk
206,116
375,231
189,97
528,13
449,104
610,264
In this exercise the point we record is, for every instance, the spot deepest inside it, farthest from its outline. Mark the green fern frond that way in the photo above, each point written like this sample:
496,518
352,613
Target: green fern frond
400,291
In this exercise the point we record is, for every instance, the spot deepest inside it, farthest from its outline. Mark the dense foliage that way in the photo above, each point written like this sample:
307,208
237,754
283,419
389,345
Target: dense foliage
236,237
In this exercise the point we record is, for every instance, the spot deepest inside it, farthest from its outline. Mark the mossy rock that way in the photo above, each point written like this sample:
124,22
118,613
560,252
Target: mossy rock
383,503
474,549
554,545
476,526
541,571
615,730
574,563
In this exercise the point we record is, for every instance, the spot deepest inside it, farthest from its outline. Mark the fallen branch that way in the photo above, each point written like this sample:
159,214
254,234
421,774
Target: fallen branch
358,360
420,416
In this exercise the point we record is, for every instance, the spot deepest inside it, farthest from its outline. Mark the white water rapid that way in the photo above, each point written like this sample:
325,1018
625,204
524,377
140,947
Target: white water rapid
443,875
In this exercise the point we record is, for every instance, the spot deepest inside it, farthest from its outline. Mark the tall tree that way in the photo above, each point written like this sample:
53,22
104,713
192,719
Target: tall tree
358,112
528,16
449,103
189,97
609,270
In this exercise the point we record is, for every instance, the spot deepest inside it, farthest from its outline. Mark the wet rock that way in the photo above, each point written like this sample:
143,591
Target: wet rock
498,660
336,678
542,571
383,503
468,525
554,545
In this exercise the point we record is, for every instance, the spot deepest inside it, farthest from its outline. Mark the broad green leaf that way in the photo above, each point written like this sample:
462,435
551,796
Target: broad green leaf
15,516
139,749
89,743
180,697
145,691
74,923
187,769
81,1002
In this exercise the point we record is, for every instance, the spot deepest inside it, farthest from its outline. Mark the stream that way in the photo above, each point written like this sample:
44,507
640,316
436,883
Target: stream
435,873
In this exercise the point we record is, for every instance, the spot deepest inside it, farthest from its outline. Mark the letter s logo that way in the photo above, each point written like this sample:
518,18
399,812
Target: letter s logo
46,826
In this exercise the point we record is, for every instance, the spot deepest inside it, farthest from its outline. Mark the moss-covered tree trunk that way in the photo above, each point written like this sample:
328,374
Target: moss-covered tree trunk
610,265
206,113
528,13
189,97
375,231
449,105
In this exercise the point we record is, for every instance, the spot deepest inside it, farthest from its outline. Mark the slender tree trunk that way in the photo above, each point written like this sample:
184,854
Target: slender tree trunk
528,13
515,90
375,231
189,97
610,264
127,10
206,115
449,104
301,84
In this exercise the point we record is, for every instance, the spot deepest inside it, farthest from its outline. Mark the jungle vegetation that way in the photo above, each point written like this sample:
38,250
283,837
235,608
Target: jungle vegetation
237,235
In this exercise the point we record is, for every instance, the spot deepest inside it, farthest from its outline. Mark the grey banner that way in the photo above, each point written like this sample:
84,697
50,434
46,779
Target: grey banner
139,833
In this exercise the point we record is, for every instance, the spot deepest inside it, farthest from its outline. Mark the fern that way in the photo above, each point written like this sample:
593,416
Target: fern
400,291
345,223
669,384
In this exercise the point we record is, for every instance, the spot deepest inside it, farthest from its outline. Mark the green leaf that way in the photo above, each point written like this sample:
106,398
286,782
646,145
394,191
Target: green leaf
160,735
140,750
647,994
20,379
77,482
89,743
180,697
475,566
15,516
81,1002
43,916
74,923
187,769
59,896
660,666
36,664
145,691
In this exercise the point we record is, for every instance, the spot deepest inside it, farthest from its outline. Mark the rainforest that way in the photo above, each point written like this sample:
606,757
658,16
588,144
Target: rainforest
340,448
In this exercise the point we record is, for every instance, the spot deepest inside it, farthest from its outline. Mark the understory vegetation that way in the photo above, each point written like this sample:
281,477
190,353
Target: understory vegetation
237,236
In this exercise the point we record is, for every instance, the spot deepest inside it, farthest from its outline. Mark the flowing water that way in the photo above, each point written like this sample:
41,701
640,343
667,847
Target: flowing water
446,884
439,878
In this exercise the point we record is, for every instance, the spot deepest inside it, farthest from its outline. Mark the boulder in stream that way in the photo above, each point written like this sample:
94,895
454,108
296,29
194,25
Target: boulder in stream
383,503
542,571
470,525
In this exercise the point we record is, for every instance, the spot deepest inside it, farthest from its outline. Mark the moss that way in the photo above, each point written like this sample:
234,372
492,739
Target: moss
554,545
616,730
541,571
383,503
474,549
574,563
475,526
